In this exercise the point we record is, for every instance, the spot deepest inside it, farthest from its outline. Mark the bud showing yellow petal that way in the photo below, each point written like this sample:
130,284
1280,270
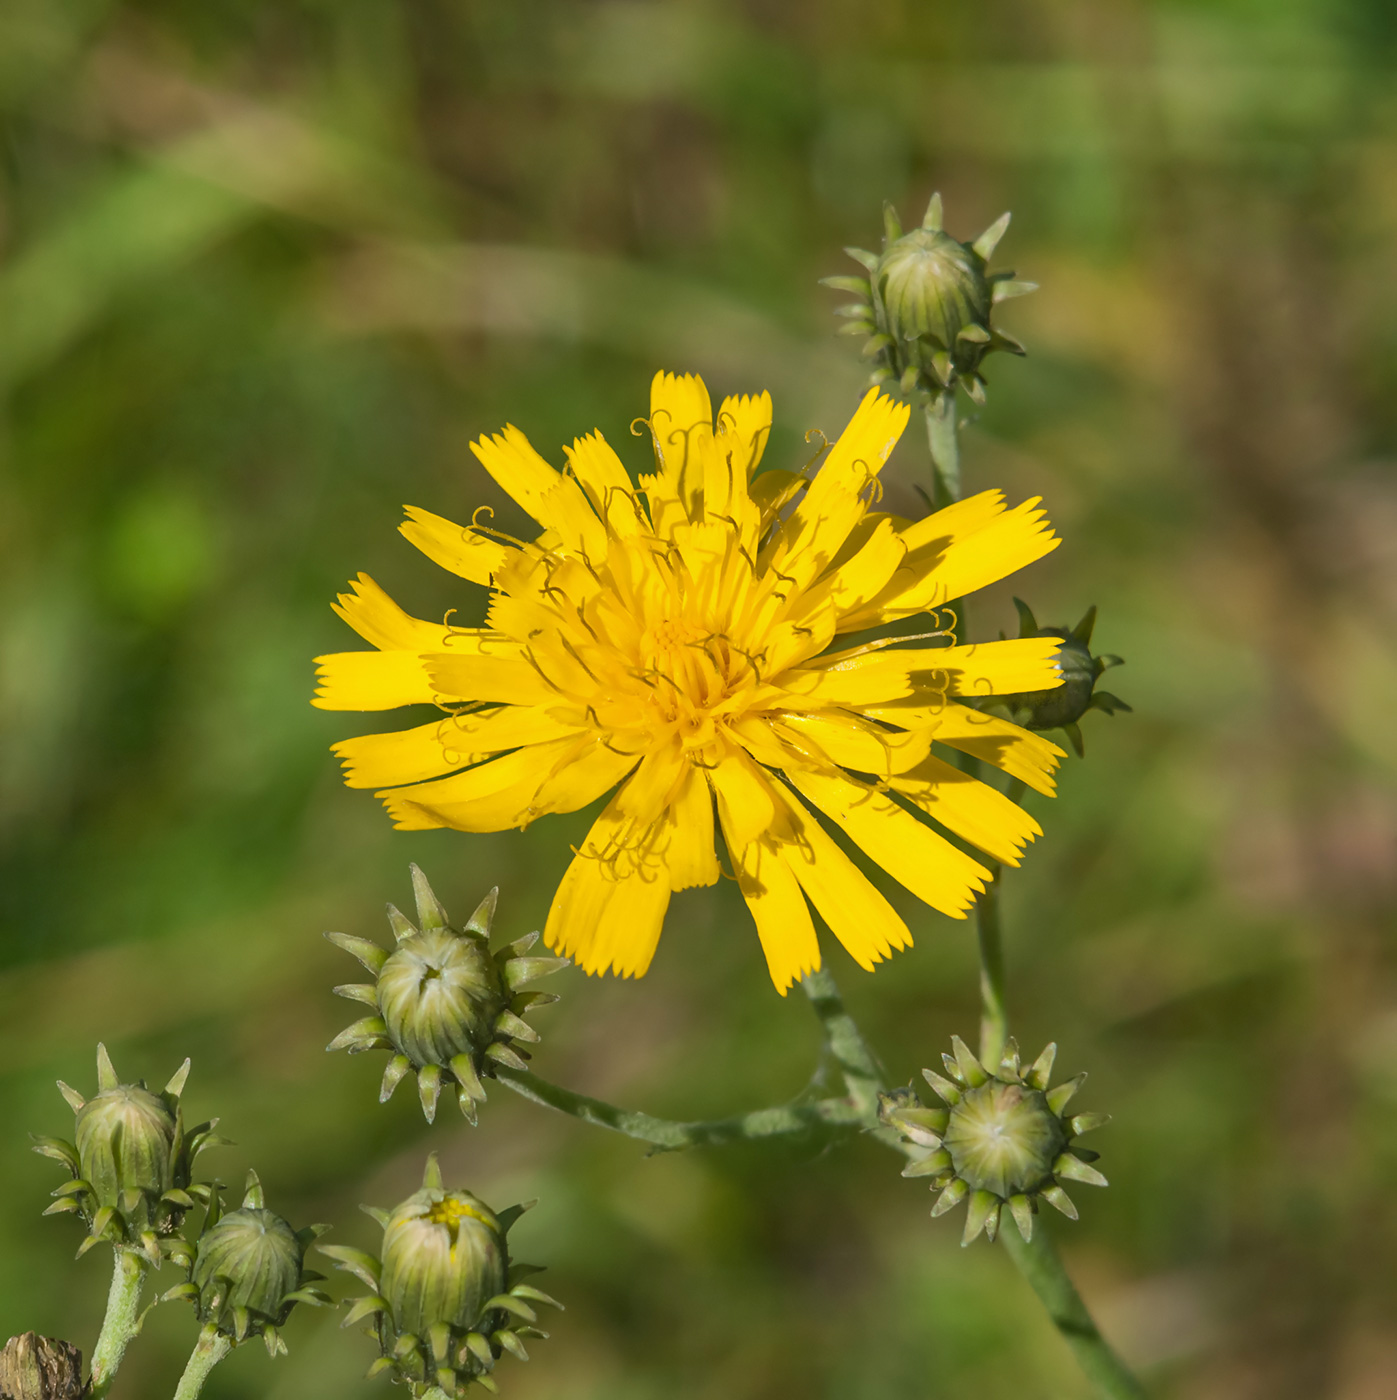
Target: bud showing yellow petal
443,1258
446,1301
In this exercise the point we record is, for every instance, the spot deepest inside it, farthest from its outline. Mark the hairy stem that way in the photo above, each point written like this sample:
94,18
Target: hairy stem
941,436
668,1135
1040,1264
121,1323
994,1016
209,1350
857,1063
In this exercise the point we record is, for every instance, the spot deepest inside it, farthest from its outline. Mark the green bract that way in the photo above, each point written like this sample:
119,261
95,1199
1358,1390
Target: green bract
131,1161
1002,1138
1064,706
448,1007
925,307
446,1302
247,1272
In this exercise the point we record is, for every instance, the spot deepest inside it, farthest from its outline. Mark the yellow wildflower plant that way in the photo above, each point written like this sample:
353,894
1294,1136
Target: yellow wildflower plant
680,640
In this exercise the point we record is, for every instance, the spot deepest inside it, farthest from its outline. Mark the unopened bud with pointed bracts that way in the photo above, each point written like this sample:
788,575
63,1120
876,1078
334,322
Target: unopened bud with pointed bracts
1003,1138
448,1007
446,1301
247,1270
131,1160
925,307
1064,706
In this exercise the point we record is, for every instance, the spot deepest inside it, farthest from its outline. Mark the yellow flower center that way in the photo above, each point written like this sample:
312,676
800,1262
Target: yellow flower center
690,671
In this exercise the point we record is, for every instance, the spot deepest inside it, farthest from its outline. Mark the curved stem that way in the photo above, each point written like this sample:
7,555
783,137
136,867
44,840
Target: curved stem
669,1135
121,1323
857,1062
1038,1261
209,1350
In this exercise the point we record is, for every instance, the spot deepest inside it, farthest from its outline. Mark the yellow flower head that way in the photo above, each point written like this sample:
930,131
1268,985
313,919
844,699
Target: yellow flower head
679,640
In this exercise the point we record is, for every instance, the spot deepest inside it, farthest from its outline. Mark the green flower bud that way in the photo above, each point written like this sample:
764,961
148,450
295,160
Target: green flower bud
925,307
440,995
247,1270
446,1301
1003,1139
258,1254
443,1257
449,1008
131,1162
1063,706
125,1139
40,1368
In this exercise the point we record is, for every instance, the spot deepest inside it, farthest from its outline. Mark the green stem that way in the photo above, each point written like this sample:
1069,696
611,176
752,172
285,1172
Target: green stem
209,1350
121,1323
1039,1263
940,414
668,1135
994,1016
857,1063
857,1112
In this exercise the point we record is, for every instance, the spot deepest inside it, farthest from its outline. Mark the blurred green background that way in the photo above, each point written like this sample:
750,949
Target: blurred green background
266,268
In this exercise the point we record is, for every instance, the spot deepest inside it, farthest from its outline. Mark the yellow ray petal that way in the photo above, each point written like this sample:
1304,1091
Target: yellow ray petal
447,743
607,483
772,894
863,678
688,832
510,791
934,870
1018,752
744,424
1013,541
575,916
747,805
957,558
502,675
372,680
862,577
379,620
840,493
610,905
953,522
993,668
970,808
681,427
857,914
773,490
840,738
555,501
653,784
455,547
633,919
